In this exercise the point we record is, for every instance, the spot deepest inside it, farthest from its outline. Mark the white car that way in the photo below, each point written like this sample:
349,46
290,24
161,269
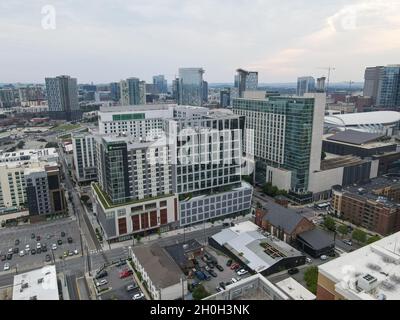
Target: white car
241,272
6,266
21,253
308,260
323,257
138,296
234,280
27,248
10,250
54,247
101,282
76,251
348,242
38,245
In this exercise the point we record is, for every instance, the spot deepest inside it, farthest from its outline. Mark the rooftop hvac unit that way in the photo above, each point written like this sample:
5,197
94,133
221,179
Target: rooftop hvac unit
366,282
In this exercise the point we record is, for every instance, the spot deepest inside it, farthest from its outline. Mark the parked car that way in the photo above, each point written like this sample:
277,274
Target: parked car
101,282
226,224
210,264
102,274
48,258
308,260
75,251
234,265
207,268
200,275
219,289
38,238
16,250
3,257
232,224
138,296
27,248
222,285
38,245
6,266
66,253
348,242
241,272
69,239
33,251
207,275
229,263
9,256
62,234
21,253
59,242
125,273
293,271
213,273
237,267
323,257
219,267
121,263
54,247
39,251
131,287
44,248
234,280
32,236
16,242
10,250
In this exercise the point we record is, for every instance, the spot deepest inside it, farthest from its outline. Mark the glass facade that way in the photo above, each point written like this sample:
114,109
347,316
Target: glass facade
191,86
389,87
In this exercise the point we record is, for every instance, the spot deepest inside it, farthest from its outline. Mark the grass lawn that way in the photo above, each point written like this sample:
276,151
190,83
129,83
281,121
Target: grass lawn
65,127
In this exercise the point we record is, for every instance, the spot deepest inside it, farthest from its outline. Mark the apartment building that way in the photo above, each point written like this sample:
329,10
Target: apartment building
84,151
373,205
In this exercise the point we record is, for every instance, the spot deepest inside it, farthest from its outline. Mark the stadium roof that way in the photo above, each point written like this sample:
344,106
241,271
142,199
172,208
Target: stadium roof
364,118
355,137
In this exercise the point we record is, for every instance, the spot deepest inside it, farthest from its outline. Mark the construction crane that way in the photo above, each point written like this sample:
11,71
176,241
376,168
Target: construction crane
329,69
350,83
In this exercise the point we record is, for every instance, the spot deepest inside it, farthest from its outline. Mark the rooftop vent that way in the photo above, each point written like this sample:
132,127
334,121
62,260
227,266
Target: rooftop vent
366,283
40,280
373,266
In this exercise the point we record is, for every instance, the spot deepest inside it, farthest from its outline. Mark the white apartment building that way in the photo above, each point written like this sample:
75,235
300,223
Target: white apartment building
84,151
30,155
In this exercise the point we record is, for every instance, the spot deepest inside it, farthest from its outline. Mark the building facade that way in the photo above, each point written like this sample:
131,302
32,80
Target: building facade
85,163
305,85
62,96
246,81
191,86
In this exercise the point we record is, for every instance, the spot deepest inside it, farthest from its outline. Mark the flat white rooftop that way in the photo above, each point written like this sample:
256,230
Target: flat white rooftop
295,290
379,262
40,284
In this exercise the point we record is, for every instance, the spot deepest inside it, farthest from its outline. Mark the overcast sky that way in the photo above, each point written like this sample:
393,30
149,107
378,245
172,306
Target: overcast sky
104,41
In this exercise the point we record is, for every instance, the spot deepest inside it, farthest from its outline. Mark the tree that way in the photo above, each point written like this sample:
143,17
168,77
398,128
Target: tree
359,235
311,278
372,239
329,223
51,145
342,229
200,292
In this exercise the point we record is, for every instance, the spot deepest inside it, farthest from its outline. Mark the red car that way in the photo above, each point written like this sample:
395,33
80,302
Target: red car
234,266
125,273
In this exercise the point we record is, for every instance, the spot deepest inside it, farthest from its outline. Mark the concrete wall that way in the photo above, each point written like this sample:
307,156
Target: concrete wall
281,178
324,180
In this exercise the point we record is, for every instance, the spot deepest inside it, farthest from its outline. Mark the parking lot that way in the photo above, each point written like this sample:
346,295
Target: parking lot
117,286
31,235
226,275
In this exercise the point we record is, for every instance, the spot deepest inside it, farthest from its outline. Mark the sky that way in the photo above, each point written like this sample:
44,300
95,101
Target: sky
103,41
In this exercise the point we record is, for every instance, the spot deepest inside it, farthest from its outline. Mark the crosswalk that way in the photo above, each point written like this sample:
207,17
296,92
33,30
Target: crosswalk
96,251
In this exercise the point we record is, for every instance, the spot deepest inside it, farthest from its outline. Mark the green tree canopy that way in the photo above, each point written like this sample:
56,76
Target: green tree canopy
311,278
359,235
372,239
342,229
200,292
329,223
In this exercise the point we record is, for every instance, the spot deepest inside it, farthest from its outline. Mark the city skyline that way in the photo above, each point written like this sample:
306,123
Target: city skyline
86,39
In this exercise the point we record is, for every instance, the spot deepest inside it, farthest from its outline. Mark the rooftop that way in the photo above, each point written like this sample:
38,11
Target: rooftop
39,284
257,251
159,265
354,137
364,118
342,161
283,217
29,155
317,238
295,290
145,107
369,273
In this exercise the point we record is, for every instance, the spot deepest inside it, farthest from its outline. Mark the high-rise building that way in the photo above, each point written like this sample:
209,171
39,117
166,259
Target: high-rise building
142,92
175,90
160,84
191,86
371,82
389,87
286,138
225,98
62,96
205,91
115,91
305,85
321,84
246,81
84,157
130,92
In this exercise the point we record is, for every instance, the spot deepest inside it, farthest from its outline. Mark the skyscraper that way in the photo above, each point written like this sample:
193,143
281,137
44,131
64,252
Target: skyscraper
287,134
305,85
115,91
191,86
371,82
389,87
205,91
246,81
175,89
142,92
160,84
130,91
62,96
225,97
